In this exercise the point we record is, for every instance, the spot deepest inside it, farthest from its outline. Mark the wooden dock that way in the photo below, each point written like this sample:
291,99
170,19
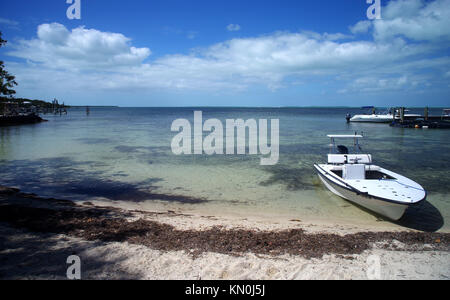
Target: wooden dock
426,121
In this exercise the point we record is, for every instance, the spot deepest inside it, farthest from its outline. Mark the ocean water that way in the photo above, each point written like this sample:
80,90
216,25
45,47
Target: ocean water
123,156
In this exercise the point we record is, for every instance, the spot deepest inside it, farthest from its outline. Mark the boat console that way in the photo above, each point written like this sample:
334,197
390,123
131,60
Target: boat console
338,159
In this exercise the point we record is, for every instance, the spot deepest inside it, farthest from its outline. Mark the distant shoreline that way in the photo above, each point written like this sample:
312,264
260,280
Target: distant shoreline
93,106
246,107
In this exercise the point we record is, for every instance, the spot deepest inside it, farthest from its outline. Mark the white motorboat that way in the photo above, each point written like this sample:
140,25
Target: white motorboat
355,178
373,118
387,117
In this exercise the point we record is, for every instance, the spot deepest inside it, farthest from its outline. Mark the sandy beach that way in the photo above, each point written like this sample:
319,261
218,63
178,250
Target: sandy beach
38,234
225,140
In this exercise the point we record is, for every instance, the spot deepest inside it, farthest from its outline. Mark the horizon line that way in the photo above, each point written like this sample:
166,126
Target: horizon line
219,106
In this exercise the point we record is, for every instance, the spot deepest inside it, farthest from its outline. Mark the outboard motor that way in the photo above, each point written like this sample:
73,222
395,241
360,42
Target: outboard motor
342,149
348,117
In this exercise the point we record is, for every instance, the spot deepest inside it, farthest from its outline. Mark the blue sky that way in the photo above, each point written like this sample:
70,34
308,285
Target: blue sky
230,53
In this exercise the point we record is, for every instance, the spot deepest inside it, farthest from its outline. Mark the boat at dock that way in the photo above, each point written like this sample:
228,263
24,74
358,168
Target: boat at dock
424,122
374,117
355,178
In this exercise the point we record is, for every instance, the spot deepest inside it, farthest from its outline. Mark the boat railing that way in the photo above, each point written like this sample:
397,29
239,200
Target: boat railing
341,149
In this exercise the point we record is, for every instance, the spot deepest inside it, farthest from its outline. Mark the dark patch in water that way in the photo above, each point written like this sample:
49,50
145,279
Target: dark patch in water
155,155
140,149
116,191
293,178
147,155
296,149
121,175
127,149
63,176
94,141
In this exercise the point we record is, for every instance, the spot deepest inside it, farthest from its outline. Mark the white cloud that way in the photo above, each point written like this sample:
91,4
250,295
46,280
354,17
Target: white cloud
79,49
11,24
53,33
237,63
416,20
8,22
107,61
336,36
361,27
373,84
326,36
191,34
402,80
233,27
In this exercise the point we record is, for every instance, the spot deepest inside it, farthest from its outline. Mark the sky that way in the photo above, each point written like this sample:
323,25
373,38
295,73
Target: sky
229,53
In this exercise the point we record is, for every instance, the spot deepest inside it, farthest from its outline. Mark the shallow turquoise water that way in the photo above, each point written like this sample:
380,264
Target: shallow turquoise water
123,155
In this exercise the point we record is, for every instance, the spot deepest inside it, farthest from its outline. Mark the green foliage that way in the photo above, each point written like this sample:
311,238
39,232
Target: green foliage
20,102
7,81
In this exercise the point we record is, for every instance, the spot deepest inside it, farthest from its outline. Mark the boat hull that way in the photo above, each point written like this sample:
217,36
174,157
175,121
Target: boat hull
393,211
379,118
372,119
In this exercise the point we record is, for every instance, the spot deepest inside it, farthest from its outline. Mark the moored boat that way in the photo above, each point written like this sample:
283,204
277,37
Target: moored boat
355,178
386,117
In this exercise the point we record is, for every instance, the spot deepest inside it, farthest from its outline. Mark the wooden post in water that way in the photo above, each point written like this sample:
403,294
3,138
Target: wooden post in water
427,110
402,114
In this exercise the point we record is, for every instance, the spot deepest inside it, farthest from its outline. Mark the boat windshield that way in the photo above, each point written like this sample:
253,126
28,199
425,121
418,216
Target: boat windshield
371,110
337,148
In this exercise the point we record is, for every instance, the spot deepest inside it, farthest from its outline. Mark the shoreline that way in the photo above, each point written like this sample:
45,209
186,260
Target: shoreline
20,120
167,234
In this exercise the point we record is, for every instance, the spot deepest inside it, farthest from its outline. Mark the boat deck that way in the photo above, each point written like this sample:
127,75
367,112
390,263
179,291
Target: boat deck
390,189
395,187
